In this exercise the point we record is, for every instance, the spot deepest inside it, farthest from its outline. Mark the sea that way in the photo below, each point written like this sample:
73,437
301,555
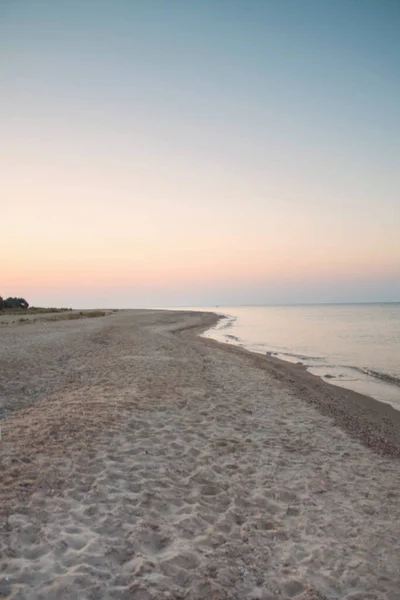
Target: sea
355,346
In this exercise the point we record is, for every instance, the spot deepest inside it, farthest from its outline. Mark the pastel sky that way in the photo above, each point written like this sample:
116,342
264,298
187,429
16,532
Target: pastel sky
193,152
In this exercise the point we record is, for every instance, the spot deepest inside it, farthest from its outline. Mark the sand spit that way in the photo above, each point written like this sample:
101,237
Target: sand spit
140,461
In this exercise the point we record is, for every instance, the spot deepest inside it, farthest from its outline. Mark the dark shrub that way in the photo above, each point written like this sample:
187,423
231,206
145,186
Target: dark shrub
11,303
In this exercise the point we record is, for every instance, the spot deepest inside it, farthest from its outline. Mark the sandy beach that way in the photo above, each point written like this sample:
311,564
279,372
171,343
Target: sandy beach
141,461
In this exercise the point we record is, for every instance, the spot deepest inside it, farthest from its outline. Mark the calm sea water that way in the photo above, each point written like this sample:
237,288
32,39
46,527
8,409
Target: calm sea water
356,346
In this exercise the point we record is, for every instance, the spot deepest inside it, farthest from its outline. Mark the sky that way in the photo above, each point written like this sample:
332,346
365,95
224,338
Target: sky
199,152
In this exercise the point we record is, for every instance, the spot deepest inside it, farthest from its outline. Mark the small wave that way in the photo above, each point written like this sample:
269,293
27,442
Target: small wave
226,322
378,375
299,356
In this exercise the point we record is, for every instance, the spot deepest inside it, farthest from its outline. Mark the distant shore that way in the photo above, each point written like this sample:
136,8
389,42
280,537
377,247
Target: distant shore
139,459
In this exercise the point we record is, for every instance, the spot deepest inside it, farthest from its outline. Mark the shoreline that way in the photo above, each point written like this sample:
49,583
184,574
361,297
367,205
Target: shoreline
375,423
350,365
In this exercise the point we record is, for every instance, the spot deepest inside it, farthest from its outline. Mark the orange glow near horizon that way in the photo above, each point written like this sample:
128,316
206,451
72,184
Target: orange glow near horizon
182,268
91,242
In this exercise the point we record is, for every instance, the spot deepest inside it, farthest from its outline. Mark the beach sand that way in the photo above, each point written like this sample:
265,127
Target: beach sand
141,461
